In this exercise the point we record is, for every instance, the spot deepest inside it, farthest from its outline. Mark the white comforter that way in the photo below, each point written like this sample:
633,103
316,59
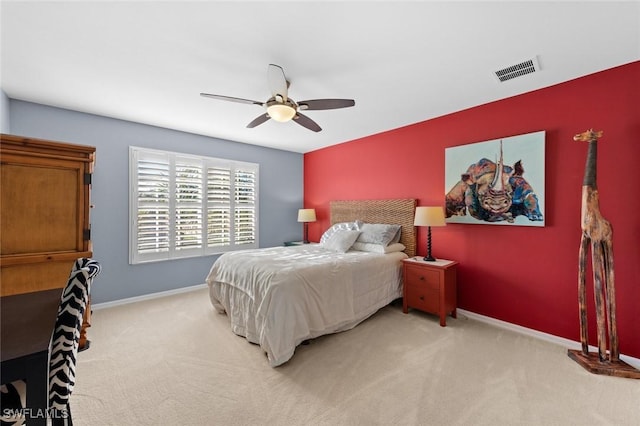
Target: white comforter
278,297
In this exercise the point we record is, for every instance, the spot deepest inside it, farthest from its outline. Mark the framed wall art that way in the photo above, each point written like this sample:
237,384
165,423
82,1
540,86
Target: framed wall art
497,182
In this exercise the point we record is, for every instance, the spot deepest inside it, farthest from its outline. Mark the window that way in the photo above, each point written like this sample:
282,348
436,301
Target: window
183,205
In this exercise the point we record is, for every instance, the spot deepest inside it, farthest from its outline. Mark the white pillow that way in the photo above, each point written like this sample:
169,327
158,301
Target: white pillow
379,233
344,226
378,248
341,240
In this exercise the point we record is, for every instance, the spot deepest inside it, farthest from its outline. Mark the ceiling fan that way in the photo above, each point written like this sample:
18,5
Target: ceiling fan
281,107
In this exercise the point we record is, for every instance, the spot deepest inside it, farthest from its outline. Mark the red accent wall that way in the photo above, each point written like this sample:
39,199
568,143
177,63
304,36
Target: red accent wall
522,275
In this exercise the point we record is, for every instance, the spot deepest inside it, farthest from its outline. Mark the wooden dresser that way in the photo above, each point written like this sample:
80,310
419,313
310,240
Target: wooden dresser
430,287
44,213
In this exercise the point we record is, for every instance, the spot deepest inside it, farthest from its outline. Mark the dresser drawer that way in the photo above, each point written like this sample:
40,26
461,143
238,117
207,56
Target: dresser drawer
423,298
418,276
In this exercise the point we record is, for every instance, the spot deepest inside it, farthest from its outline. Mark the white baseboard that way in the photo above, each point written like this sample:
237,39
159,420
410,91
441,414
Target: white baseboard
128,300
569,344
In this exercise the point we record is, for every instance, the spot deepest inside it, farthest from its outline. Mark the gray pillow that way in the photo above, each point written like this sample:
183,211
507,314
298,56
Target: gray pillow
379,233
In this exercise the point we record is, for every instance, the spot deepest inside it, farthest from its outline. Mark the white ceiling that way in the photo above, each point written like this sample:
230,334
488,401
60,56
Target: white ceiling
402,62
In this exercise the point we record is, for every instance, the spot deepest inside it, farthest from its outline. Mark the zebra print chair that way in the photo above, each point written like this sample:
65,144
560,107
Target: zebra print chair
66,338
64,344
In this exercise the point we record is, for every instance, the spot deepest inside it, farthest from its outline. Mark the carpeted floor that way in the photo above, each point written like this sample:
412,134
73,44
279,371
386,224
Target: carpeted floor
174,361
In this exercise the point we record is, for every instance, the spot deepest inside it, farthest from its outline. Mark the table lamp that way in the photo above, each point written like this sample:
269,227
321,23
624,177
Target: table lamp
306,216
429,216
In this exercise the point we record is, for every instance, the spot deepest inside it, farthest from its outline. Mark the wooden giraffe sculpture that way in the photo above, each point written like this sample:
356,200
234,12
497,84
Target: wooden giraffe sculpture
597,231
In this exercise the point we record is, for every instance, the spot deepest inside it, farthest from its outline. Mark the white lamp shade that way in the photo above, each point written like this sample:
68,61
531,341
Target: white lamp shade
429,216
306,215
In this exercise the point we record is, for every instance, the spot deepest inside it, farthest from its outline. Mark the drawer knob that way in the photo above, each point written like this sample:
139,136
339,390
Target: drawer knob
421,297
421,278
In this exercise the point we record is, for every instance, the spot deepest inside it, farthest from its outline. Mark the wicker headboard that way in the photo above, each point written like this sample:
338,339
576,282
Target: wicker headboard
400,212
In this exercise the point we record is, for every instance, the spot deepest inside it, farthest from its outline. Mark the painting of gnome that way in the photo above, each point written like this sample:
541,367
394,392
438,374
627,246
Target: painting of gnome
499,182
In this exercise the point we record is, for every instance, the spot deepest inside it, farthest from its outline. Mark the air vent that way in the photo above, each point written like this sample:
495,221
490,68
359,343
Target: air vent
523,68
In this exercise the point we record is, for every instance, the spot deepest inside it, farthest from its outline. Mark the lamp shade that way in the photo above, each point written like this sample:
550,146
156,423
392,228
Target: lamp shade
306,215
429,216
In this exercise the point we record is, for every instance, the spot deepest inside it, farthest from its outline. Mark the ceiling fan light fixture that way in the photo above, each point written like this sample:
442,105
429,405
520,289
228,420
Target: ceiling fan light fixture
281,112
280,107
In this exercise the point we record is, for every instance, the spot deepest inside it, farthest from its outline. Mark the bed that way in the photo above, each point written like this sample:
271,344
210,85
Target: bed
279,297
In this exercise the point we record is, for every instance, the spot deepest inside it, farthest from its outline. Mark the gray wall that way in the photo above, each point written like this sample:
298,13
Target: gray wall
4,113
281,192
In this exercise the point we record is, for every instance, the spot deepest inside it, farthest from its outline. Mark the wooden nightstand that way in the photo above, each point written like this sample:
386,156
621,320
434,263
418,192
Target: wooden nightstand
430,287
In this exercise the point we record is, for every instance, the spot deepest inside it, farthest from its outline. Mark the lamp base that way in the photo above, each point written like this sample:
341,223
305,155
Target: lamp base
428,257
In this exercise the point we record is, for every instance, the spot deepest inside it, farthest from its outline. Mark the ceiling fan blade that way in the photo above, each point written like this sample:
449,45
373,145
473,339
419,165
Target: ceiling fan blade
259,120
277,81
229,98
317,104
305,121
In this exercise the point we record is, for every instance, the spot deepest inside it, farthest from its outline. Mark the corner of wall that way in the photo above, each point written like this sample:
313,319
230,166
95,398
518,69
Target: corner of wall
4,113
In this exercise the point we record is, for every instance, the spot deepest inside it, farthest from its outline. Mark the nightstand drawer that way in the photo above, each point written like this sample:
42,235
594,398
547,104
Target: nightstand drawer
422,298
418,276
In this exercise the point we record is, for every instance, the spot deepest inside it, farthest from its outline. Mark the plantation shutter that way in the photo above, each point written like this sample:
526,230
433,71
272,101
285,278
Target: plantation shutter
183,205
189,208
245,211
219,206
152,223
